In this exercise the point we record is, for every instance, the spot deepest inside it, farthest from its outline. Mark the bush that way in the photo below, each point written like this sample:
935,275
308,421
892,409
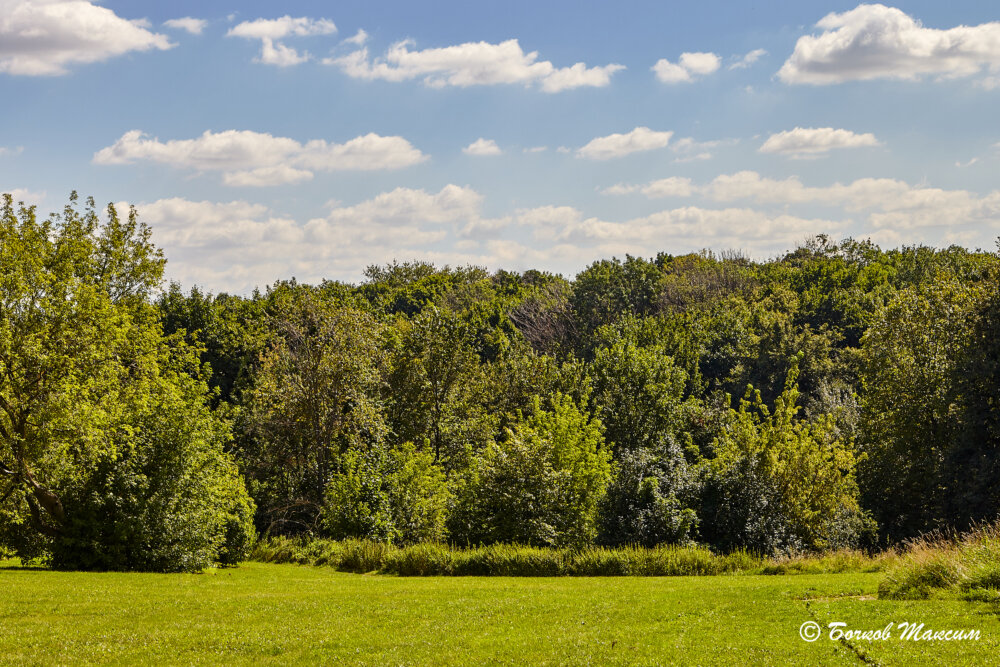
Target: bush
397,496
780,483
171,501
541,485
644,503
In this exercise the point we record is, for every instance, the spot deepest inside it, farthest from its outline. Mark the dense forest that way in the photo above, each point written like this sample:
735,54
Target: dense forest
839,395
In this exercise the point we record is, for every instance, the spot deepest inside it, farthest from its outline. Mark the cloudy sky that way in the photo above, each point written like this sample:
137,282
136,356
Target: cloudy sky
317,139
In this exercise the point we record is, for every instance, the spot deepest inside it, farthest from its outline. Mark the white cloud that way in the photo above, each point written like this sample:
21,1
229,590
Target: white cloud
193,26
267,176
45,37
359,38
23,195
5,150
691,150
472,64
748,59
482,147
891,203
879,42
237,245
404,206
253,158
269,31
276,53
279,28
618,145
688,68
674,186
812,141
536,149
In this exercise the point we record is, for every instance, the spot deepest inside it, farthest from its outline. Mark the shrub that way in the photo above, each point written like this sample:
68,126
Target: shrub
541,485
397,496
171,501
642,505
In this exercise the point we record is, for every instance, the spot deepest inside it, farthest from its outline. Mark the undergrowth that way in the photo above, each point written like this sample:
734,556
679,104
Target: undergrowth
941,564
365,556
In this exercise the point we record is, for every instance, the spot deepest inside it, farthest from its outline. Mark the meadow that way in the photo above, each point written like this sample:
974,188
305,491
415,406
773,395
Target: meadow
263,613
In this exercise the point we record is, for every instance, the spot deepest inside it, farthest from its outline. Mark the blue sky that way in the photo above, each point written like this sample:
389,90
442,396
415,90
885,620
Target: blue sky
317,139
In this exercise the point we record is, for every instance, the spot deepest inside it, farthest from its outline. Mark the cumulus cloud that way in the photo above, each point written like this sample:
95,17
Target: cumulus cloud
618,145
359,38
879,42
891,203
471,64
193,26
690,150
482,147
748,59
269,31
279,28
688,68
45,37
249,158
674,186
239,245
813,141
266,176
23,195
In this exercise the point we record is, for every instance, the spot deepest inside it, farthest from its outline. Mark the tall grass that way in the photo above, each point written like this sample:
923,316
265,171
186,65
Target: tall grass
363,556
947,563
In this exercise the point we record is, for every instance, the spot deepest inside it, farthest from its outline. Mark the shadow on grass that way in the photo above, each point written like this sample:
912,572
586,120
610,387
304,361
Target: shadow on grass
17,566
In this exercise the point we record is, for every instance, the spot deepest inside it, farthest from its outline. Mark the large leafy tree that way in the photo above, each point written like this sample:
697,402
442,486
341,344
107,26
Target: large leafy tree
315,396
87,381
923,371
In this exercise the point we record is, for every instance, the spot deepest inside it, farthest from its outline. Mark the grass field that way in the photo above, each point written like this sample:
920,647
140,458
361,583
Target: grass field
281,614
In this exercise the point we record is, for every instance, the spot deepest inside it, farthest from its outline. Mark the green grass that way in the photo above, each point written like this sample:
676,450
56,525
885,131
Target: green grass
286,614
966,565
365,556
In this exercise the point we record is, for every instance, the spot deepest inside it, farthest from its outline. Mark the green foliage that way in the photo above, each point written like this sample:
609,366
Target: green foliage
435,373
637,396
650,500
170,501
540,485
397,496
315,395
910,358
801,466
109,454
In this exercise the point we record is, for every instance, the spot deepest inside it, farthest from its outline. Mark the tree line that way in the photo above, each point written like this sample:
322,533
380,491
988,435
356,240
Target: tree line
839,395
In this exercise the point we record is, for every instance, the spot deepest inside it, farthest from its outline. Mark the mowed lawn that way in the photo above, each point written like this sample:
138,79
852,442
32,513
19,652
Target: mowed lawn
282,614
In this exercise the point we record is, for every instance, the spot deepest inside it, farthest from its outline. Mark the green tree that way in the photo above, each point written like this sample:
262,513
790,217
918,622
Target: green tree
315,395
910,405
98,411
808,470
435,383
541,485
